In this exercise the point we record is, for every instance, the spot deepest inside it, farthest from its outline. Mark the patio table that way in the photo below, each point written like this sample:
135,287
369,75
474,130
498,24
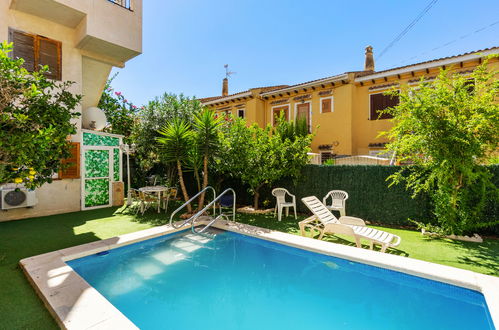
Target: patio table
158,190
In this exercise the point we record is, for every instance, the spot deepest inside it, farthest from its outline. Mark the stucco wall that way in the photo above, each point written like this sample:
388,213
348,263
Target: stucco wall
119,34
61,196
71,57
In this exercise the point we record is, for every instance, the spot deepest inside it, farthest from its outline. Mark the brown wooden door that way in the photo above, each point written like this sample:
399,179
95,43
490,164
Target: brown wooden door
303,112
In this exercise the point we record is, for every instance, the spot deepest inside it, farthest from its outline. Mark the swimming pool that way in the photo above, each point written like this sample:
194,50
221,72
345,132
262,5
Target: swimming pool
234,281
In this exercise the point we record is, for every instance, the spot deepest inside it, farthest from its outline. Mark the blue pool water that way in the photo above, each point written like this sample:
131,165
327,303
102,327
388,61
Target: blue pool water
238,282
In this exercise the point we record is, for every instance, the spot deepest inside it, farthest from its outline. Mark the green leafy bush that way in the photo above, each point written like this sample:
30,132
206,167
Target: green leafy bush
151,118
35,121
446,129
261,156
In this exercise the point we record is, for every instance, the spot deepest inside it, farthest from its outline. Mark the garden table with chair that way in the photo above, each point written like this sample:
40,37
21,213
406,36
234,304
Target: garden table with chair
158,190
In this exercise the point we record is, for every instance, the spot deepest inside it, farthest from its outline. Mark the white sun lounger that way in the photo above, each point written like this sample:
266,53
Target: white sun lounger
325,222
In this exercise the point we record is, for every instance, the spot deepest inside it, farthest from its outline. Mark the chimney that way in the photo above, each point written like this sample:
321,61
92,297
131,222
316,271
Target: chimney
369,65
225,87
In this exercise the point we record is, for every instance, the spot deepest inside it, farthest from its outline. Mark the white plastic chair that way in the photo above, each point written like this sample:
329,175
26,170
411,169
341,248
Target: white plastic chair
338,201
280,195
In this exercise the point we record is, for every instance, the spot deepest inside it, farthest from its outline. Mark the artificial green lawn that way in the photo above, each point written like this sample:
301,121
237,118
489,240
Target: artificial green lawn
20,308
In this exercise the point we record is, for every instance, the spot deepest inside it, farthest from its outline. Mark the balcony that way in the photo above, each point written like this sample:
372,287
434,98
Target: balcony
123,3
107,30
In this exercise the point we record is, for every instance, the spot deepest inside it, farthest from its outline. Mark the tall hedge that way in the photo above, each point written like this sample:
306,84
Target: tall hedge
370,197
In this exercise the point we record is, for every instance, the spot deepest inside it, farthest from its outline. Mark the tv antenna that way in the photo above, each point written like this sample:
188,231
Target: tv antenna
227,72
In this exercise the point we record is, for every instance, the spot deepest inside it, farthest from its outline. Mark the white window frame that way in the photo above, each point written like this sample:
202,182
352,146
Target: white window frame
279,106
309,111
244,113
325,98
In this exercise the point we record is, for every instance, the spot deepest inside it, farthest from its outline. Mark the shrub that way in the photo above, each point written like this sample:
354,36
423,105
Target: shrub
35,122
447,128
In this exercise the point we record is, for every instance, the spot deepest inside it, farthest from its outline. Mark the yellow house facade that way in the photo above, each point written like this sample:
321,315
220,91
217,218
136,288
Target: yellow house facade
342,110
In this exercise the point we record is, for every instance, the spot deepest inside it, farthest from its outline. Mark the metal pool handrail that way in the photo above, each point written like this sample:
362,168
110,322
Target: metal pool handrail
197,215
188,202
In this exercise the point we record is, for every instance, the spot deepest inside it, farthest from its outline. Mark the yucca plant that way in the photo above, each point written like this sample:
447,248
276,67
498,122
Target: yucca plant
177,139
206,126
194,163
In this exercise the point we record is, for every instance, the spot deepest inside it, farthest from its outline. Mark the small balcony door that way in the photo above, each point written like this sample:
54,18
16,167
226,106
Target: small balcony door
303,112
278,111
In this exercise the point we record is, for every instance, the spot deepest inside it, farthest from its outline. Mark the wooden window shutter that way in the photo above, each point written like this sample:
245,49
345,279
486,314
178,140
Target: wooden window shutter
326,105
49,53
388,102
304,113
73,162
381,102
24,47
376,104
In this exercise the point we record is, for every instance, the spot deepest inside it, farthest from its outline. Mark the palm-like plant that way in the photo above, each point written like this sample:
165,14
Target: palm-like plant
177,139
194,163
206,126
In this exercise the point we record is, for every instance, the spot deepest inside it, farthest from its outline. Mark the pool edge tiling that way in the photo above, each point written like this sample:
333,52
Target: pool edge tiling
77,305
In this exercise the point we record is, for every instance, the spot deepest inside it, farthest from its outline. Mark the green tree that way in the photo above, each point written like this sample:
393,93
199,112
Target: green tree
121,114
260,156
291,129
446,129
151,118
176,140
194,163
232,154
206,125
35,121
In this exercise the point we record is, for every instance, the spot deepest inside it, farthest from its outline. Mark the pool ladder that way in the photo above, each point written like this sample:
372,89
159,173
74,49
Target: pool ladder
193,218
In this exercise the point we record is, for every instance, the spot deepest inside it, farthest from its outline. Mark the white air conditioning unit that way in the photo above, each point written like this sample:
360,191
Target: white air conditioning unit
12,198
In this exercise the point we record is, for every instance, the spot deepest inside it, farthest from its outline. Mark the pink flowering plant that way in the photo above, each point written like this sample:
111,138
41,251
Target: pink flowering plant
121,114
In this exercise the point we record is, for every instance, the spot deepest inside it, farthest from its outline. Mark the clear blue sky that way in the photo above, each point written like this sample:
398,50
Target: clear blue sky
272,42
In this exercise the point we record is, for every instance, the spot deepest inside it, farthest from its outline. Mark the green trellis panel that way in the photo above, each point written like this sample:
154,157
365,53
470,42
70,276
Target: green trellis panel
98,167
96,192
116,164
96,163
91,139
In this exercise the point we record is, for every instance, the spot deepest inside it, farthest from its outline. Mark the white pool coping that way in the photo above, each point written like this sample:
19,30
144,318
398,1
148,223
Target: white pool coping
77,305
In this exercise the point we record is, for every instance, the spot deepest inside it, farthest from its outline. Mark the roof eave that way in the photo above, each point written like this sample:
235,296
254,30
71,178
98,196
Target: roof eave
228,98
312,83
428,65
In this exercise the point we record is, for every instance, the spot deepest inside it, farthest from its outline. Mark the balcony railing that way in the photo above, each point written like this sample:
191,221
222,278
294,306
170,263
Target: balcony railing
123,3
